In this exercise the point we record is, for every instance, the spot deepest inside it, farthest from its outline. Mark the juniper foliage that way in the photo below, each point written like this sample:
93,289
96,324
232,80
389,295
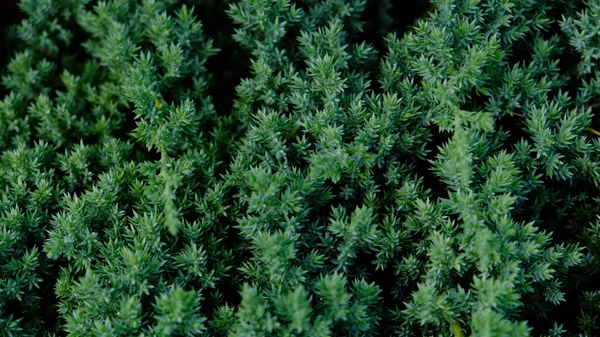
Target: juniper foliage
366,179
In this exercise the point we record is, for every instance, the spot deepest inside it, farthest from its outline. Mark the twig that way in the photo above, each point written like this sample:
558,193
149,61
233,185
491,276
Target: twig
594,132
592,105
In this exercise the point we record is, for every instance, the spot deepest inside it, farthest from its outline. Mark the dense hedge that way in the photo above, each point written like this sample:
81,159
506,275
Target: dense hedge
300,168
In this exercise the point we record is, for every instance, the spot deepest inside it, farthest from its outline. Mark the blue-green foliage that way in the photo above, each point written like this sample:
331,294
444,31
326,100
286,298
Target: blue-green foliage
443,184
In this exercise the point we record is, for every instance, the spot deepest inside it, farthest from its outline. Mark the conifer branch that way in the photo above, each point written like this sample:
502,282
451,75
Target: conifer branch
591,130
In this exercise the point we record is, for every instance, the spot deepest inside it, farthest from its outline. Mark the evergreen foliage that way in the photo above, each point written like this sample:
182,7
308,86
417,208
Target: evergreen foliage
300,168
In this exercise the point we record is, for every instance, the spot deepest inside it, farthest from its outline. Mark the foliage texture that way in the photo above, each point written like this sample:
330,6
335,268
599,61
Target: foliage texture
253,168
